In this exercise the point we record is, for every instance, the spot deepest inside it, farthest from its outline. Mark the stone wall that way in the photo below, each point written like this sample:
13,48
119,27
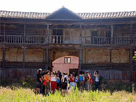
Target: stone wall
94,55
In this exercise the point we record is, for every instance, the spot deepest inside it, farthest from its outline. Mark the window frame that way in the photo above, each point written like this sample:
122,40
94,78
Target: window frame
66,61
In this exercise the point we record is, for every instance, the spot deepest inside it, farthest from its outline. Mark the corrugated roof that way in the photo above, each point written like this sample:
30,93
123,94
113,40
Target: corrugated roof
37,15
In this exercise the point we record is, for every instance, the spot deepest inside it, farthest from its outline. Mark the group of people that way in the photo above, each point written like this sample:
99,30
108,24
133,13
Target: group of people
50,81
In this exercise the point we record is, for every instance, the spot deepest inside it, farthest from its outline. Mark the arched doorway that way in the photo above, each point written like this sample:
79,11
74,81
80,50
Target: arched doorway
66,64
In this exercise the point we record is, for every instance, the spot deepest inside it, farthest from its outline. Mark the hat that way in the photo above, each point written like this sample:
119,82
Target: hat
39,70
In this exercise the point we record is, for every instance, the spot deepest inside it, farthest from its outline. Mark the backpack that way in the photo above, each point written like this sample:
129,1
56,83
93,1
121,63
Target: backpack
81,78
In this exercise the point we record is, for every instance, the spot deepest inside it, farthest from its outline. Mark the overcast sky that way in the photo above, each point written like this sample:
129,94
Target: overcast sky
74,5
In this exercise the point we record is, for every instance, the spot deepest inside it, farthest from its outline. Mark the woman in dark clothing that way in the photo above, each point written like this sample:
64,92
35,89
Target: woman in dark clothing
38,81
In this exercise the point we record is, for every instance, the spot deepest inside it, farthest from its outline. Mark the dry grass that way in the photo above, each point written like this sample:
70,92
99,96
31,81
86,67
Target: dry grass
28,95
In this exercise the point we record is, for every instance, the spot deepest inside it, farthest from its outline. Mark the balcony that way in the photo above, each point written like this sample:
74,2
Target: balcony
54,39
107,41
66,40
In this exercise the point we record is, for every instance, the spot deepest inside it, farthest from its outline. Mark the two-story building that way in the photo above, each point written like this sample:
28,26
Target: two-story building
103,41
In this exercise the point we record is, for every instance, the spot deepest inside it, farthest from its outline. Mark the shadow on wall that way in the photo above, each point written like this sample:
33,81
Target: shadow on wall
64,64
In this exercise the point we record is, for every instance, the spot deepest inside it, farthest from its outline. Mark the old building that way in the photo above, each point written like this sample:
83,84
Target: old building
102,41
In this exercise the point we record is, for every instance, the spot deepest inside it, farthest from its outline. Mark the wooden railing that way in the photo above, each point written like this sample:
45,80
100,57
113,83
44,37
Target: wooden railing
108,41
59,39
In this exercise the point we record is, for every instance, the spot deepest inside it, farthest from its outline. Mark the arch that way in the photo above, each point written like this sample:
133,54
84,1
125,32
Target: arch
59,64
56,54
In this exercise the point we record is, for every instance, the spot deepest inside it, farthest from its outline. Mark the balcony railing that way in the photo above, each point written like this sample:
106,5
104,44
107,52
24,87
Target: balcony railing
54,39
108,41
59,39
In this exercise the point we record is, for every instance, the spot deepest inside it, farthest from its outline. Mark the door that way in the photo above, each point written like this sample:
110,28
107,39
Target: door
94,37
57,35
73,71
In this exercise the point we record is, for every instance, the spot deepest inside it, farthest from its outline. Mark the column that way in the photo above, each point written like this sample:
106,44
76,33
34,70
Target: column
131,50
3,56
24,54
48,34
24,47
4,49
46,58
112,32
111,58
80,42
80,52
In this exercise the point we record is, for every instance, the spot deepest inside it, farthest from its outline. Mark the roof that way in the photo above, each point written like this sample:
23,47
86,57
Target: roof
63,14
38,15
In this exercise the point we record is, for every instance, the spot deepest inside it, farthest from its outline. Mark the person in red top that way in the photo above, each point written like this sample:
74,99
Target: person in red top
88,78
72,81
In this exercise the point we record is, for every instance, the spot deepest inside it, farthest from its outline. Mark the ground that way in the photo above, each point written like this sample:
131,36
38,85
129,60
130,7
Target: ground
28,95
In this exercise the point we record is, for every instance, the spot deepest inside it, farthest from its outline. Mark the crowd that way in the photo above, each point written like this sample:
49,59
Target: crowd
51,81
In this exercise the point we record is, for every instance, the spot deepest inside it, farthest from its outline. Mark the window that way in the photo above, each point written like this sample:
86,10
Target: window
67,60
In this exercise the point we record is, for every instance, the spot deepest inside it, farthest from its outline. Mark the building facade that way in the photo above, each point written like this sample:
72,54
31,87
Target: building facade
102,41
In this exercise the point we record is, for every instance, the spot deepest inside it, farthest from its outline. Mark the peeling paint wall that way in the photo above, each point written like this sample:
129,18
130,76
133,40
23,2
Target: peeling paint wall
32,55
14,54
120,56
103,56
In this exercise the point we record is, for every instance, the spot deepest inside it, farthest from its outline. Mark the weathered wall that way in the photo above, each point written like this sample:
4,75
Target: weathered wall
73,33
121,31
32,55
14,54
103,56
120,56
97,55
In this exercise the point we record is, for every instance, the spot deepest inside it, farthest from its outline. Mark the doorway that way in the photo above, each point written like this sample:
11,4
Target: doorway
57,35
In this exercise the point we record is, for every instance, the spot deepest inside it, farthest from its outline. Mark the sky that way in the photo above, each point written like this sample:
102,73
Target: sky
77,6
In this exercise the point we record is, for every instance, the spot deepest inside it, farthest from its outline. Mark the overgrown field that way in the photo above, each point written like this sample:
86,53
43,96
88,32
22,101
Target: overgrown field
28,95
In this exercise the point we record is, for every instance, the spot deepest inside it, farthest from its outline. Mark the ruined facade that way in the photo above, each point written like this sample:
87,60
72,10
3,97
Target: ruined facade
102,41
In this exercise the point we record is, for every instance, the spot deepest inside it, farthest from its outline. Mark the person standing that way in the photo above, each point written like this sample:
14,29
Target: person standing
58,82
72,81
96,75
88,78
53,82
47,82
60,76
64,81
81,81
39,80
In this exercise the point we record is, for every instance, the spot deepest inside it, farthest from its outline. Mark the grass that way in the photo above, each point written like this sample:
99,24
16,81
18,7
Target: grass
28,95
